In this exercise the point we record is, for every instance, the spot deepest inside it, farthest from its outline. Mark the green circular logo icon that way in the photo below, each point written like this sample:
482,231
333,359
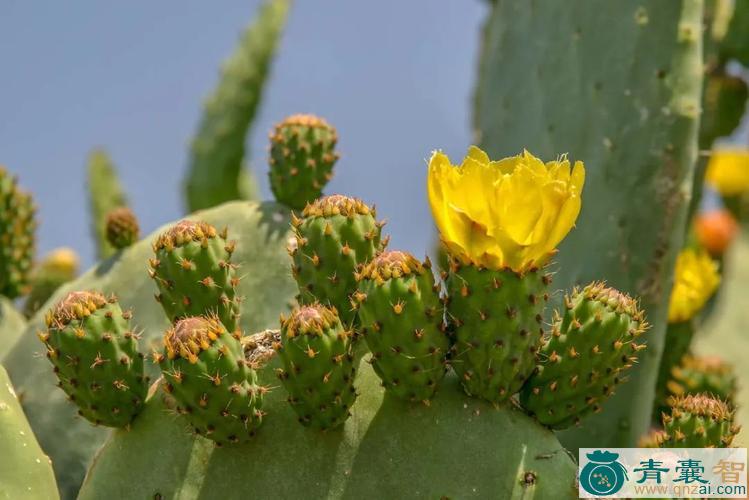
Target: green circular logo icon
603,474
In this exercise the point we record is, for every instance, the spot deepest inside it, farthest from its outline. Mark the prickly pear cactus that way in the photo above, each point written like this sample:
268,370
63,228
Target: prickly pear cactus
699,421
455,448
539,61
105,193
122,228
401,320
318,366
261,230
17,227
93,348
334,238
215,389
216,172
302,155
586,357
25,471
194,272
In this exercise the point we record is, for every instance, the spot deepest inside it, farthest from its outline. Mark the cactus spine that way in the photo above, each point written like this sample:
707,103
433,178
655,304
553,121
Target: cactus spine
318,366
122,228
334,238
302,155
215,388
17,227
94,352
194,273
591,347
401,320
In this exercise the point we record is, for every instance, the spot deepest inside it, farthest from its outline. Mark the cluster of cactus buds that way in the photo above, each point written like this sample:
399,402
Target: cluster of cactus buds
302,155
335,236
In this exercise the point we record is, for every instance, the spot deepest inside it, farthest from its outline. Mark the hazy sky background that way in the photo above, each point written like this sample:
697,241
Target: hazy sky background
395,77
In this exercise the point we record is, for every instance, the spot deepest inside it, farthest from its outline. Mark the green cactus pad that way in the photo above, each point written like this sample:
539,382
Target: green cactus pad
401,320
334,237
679,337
318,366
590,348
214,387
17,227
194,273
497,318
699,421
122,228
459,448
12,326
94,351
542,86
105,193
724,103
302,155
216,173
25,471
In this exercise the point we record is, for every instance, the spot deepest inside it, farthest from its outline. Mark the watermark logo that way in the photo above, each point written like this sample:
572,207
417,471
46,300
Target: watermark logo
603,474
663,473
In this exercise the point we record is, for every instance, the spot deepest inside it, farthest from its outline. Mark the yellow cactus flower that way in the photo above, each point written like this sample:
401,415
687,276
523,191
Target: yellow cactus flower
728,171
510,213
695,280
63,260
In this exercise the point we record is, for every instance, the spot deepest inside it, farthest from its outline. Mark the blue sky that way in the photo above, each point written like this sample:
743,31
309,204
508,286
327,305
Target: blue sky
395,77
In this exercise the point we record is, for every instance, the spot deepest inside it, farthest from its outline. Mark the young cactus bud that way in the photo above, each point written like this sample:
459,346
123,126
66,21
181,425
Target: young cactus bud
122,228
213,385
699,421
56,269
708,374
334,237
193,271
318,366
698,375
497,317
401,319
302,155
591,347
94,351
17,227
